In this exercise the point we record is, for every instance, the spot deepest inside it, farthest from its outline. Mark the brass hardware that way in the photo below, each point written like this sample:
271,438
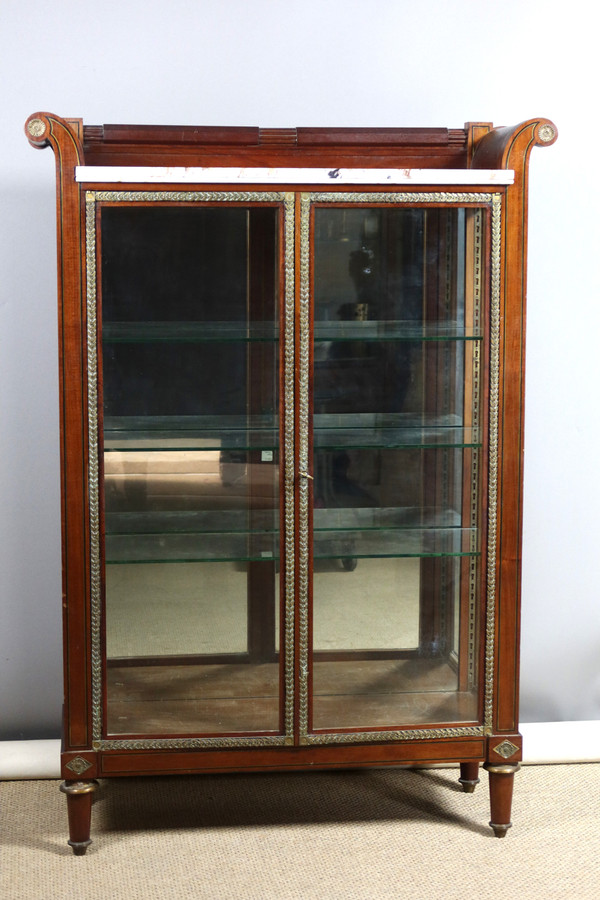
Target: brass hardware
468,784
79,847
78,765
306,475
413,734
289,464
506,749
78,787
36,128
546,133
276,740
93,462
501,770
493,455
303,406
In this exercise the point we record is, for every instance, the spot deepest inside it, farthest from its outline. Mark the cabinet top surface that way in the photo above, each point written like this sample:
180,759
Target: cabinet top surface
289,175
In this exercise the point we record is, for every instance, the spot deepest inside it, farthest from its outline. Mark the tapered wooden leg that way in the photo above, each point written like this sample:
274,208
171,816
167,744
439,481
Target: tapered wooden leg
469,776
501,791
79,809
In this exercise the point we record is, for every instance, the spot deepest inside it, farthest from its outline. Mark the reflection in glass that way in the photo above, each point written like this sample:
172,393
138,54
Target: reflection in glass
190,373
396,464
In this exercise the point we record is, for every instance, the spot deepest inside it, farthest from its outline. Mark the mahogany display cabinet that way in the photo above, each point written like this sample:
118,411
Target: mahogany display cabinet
291,385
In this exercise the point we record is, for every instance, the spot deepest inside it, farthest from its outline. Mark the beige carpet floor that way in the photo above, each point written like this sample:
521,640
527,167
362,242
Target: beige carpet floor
322,836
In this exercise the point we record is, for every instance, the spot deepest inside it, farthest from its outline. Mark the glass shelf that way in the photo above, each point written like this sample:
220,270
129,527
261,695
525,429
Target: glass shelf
188,332
190,433
265,520
225,535
384,518
152,548
192,332
380,543
394,330
331,432
391,431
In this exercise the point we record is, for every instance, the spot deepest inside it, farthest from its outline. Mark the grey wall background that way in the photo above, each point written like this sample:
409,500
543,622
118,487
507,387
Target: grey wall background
312,62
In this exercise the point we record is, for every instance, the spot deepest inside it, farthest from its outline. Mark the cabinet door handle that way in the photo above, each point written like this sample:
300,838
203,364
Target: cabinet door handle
306,475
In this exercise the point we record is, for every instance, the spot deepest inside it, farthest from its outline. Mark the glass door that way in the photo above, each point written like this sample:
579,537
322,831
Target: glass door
391,619
192,314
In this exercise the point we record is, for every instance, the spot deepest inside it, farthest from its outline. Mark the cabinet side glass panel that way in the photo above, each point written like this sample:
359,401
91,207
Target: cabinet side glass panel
396,466
190,487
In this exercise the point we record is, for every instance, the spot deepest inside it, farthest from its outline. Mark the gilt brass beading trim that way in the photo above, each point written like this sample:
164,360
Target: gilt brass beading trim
189,196
93,486
412,734
303,392
493,201
289,427
303,451
474,198
201,743
92,198
490,636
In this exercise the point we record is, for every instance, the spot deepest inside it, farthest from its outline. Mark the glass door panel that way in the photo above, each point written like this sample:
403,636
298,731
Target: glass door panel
190,431
396,465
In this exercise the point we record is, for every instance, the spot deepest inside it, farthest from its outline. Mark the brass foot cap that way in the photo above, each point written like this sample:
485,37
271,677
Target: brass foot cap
74,788
500,830
468,785
79,847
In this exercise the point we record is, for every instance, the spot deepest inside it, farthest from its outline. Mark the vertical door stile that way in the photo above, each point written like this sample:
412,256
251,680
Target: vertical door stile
92,237
303,451
494,455
287,445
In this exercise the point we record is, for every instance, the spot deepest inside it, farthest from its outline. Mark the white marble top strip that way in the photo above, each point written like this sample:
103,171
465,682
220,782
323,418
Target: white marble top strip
230,175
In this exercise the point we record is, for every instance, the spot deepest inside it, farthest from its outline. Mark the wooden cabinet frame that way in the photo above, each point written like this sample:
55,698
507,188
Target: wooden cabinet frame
298,170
